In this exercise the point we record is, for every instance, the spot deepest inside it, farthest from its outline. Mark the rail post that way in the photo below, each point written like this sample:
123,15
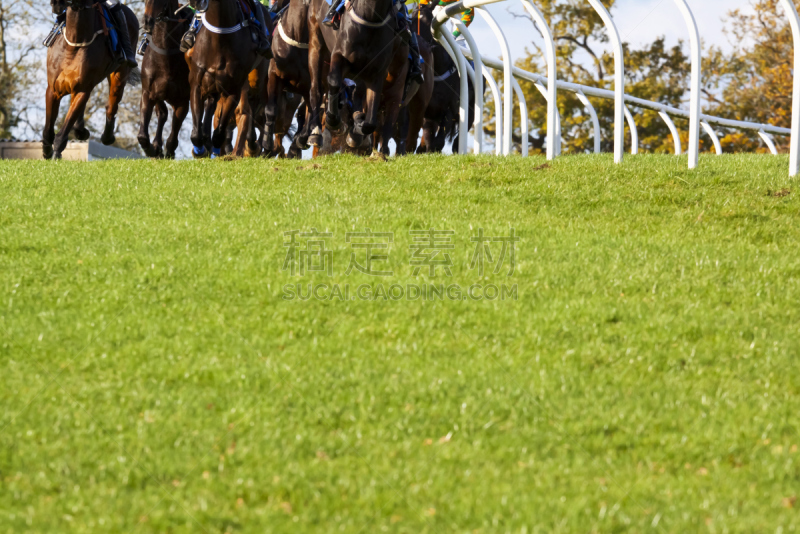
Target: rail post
619,79
477,83
508,86
794,22
694,104
553,133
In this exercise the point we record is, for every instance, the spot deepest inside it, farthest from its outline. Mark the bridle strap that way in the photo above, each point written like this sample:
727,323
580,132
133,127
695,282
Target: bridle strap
289,40
82,45
223,31
363,22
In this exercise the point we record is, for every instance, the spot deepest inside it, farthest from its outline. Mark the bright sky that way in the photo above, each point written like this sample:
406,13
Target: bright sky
638,21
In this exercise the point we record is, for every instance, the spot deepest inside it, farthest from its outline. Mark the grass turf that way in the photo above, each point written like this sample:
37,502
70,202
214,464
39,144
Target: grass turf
154,379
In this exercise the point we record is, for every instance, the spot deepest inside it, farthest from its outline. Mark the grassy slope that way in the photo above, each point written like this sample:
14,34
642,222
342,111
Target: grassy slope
152,379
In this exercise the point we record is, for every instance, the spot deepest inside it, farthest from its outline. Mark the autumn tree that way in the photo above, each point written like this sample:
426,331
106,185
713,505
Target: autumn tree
753,81
655,72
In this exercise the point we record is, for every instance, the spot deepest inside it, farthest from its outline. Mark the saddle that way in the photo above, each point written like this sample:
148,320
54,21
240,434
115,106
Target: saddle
108,27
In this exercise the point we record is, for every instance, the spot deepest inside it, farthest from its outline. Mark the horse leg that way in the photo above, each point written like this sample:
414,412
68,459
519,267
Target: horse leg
316,66
178,116
199,112
146,110
333,116
208,118
416,118
116,83
429,129
77,106
244,123
80,130
366,124
274,99
163,114
52,104
227,110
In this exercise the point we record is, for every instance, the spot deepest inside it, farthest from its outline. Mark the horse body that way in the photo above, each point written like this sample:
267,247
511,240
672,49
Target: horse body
362,49
419,103
76,69
441,116
219,66
288,73
165,75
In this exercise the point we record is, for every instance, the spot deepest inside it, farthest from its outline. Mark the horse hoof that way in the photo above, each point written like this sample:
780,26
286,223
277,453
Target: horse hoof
47,151
169,155
108,140
199,152
215,153
57,156
315,141
302,143
333,124
82,134
354,140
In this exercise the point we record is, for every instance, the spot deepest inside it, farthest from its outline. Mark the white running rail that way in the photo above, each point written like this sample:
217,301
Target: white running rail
550,85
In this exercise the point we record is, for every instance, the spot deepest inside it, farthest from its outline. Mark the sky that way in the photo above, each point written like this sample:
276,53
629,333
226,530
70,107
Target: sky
638,22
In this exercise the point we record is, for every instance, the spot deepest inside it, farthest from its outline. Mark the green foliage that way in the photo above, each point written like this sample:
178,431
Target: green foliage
753,82
153,379
655,72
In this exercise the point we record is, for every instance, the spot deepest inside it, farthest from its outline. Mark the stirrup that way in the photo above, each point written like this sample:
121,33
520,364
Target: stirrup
187,41
333,21
53,35
140,50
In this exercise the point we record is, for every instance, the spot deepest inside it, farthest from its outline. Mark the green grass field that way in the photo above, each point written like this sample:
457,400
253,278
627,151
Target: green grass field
154,378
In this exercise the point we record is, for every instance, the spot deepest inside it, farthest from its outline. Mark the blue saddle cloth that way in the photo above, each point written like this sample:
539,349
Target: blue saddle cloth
112,30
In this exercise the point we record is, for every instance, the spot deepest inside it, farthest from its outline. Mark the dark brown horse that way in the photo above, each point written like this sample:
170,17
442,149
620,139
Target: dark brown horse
362,50
77,62
165,74
441,116
412,113
288,72
220,62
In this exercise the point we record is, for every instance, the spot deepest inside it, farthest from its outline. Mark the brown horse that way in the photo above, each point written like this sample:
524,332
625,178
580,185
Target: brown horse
76,64
165,74
441,116
220,63
288,72
362,50
407,141
406,130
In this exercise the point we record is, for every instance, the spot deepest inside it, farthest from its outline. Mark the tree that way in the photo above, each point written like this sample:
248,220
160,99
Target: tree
18,60
655,72
754,81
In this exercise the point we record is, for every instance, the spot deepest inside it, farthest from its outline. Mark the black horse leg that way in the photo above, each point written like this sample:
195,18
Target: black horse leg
52,105
333,118
76,109
146,110
198,118
162,113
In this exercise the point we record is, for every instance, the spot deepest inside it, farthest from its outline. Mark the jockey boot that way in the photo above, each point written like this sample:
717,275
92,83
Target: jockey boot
187,41
334,17
121,24
263,46
415,72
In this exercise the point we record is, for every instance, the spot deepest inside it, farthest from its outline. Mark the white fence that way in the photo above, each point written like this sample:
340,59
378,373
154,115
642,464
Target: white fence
550,85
